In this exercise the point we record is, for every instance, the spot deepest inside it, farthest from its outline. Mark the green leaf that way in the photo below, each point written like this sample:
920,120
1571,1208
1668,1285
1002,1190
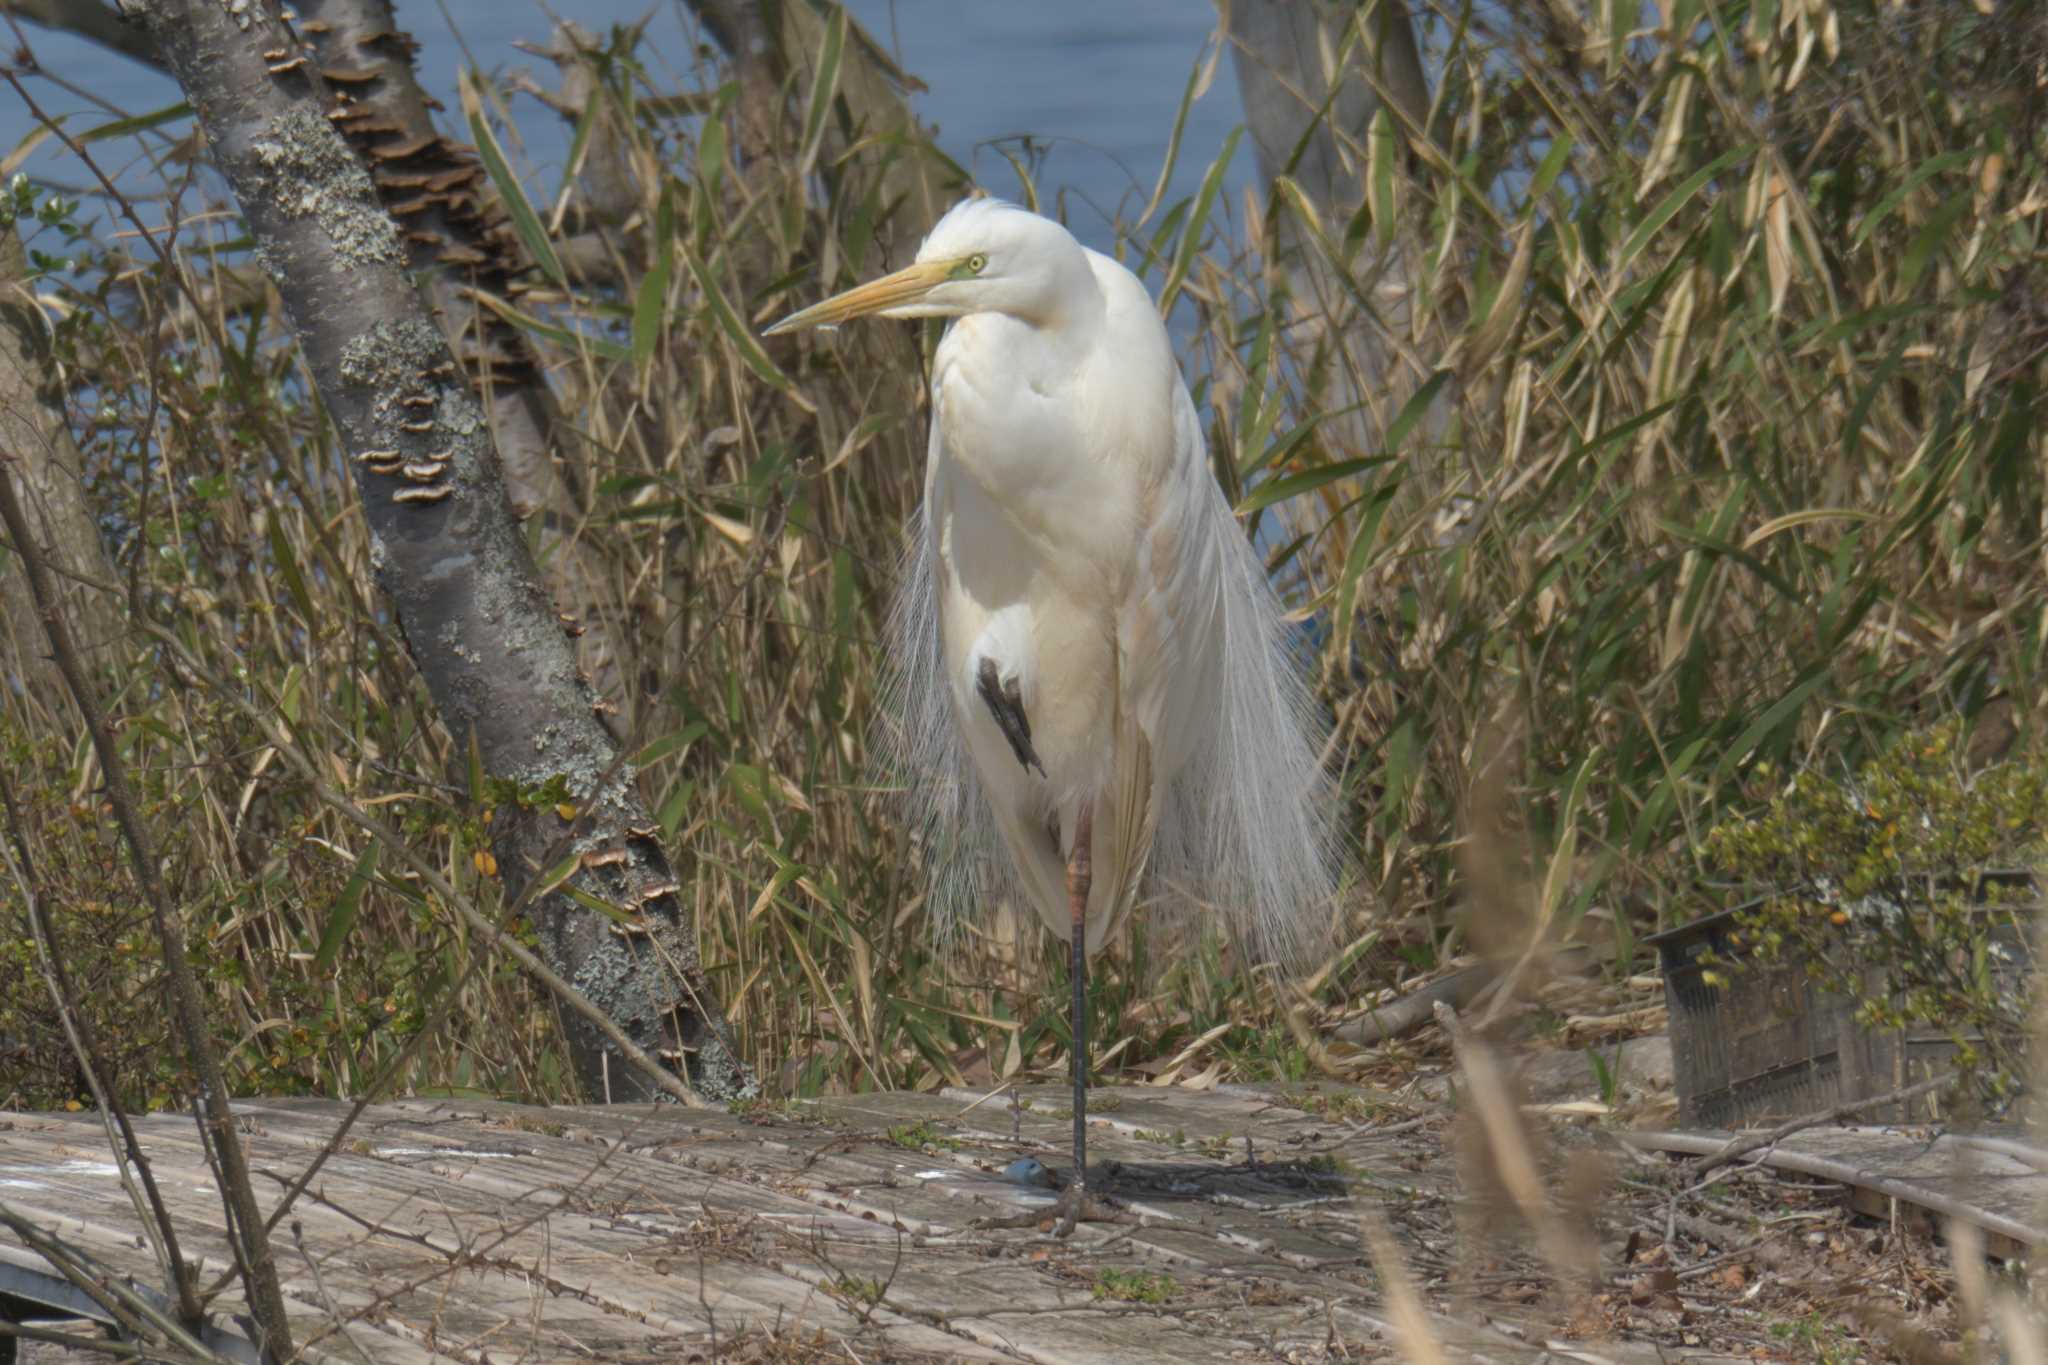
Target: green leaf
1382,157
1933,165
729,322
561,336
650,301
1784,709
1198,218
141,122
710,159
1859,411
1413,410
1603,1075
1294,485
288,568
1375,510
1199,76
524,220
342,916
594,904
1929,240
670,816
675,741
288,696
1280,451
824,86
1622,16
579,146
1668,207
1564,858
1552,166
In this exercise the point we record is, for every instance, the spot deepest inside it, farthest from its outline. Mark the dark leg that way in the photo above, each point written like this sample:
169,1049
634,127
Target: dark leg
1080,872
1074,1204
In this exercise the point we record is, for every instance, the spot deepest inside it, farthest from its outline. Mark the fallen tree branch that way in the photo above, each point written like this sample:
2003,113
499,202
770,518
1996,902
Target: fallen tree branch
1743,1146
1401,1017
1847,1171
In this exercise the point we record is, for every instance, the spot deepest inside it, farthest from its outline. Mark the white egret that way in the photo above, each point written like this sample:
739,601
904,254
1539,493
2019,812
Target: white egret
1090,664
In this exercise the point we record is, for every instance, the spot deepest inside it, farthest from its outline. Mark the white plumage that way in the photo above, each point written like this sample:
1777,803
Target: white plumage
1082,623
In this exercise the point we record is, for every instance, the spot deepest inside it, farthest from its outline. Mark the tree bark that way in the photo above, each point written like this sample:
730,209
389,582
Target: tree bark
457,237
445,544
769,40
35,439
743,31
1278,48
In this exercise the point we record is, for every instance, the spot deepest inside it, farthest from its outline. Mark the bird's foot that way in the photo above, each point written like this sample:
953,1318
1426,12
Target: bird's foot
1074,1208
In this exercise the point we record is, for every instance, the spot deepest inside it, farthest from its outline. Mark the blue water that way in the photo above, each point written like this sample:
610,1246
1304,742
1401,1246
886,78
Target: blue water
1092,85
1095,85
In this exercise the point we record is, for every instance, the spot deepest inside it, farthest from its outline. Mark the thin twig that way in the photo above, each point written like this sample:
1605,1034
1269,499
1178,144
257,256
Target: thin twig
266,1297
155,1218
1743,1146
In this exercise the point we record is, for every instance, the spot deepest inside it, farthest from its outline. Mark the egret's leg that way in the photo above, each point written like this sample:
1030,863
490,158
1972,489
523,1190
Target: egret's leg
1080,872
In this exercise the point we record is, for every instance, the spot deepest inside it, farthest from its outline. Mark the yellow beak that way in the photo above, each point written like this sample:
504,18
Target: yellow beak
906,286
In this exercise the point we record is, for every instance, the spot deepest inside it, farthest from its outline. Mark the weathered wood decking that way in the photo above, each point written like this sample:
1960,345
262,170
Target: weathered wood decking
479,1231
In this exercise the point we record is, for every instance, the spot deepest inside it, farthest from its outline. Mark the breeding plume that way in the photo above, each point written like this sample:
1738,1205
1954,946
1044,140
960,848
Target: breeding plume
1096,709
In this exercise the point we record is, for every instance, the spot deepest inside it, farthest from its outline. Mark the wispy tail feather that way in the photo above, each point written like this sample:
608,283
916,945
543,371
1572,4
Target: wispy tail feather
1250,832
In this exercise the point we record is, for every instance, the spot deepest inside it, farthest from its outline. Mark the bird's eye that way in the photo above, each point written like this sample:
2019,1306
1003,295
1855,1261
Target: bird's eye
977,263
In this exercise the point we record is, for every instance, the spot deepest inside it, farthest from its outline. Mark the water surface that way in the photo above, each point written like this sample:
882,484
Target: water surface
1084,90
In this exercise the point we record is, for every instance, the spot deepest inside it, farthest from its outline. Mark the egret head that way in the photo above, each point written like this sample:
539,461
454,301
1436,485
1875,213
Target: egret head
984,256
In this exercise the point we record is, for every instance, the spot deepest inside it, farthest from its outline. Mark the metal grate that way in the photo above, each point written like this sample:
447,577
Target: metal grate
1760,1047
1770,1043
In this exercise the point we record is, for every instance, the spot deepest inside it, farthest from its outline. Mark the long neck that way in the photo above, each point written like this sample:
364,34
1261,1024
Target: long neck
1069,303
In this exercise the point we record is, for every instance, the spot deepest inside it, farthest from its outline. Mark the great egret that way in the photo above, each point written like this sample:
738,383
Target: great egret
1089,658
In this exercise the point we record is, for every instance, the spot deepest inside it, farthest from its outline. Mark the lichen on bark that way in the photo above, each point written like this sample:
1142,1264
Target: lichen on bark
317,176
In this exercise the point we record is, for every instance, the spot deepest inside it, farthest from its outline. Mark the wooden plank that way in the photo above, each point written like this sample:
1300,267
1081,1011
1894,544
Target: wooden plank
456,1229
2002,1188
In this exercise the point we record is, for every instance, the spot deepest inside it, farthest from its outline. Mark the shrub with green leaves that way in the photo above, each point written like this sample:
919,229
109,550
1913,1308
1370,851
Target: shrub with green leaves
1907,888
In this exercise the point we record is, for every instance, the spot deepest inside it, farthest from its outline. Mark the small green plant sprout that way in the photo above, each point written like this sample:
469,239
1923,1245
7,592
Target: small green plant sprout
1606,1077
1342,1105
1824,1340
1909,889
859,1290
1134,1286
922,1137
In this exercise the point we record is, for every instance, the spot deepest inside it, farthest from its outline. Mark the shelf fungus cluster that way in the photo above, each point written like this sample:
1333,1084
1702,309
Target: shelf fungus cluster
433,187
632,899
421,475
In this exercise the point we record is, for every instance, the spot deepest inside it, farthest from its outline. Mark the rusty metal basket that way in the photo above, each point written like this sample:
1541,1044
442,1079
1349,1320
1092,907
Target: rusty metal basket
1769,1042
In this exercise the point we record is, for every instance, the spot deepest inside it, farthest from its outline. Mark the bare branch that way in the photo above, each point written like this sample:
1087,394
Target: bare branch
89,20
